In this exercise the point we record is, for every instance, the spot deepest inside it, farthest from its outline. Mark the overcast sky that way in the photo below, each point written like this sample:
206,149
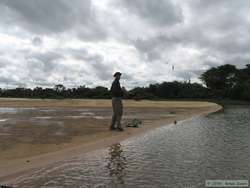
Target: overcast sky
83,42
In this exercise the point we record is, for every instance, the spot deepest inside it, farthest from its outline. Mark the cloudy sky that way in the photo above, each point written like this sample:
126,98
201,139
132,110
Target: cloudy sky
83,42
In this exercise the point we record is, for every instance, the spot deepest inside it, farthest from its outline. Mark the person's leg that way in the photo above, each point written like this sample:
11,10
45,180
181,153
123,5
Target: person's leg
114,119
119,113
114,116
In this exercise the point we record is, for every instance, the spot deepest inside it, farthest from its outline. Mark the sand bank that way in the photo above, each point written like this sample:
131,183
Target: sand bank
25,157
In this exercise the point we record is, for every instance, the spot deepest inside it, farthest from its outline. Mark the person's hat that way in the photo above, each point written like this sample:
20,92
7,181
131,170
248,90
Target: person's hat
117,73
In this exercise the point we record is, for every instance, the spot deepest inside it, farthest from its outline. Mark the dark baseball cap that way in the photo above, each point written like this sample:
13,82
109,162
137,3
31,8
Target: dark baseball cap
117,73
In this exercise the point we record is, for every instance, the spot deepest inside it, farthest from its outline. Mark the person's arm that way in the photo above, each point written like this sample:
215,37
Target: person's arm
125,92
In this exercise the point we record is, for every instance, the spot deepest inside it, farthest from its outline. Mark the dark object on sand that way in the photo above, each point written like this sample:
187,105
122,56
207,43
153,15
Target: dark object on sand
120,129
5,186
135,123
175,122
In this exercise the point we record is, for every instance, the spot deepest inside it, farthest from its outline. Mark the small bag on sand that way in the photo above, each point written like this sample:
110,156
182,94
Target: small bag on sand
136,123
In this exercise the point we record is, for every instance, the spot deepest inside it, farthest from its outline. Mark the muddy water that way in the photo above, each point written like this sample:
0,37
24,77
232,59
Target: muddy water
182,155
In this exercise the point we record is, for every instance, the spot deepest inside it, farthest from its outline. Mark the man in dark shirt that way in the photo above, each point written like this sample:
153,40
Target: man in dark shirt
117,94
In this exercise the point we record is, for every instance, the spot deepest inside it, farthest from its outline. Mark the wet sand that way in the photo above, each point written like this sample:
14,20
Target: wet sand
30,145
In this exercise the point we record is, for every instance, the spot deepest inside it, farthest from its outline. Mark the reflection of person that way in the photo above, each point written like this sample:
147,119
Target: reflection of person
117,162
117,93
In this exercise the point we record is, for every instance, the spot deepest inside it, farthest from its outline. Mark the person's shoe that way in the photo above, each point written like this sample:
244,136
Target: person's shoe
112,128
120,129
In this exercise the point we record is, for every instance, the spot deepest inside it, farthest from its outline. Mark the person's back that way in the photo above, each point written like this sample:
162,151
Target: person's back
116,90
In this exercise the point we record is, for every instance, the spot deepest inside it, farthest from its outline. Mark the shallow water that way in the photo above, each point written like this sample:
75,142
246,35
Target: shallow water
30,126
47,113
182,155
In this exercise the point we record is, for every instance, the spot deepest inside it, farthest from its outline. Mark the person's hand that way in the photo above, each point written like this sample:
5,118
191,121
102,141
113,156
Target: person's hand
124,89
125,92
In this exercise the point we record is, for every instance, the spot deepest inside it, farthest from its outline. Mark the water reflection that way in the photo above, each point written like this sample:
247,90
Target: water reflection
116,163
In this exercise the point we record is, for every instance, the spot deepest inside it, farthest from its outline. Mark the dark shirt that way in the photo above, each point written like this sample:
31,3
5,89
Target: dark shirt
116,90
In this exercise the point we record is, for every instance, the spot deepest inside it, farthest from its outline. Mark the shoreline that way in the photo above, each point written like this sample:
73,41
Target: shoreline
15,168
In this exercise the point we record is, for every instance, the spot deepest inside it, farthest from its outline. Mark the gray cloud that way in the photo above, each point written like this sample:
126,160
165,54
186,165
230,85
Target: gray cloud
41,68
46,57
52,17
222,25
46,15
99,67
215,28
152,47
9,81
161,12
37,41
3,63
239,61
75,42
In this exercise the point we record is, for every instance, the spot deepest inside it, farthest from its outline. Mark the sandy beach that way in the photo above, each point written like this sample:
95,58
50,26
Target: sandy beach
27,147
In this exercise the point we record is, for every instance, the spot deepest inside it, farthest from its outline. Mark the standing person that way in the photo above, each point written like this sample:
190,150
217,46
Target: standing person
117,94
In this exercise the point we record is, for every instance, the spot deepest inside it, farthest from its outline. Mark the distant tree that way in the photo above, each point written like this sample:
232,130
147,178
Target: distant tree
246,91
59,88
60,91
101,92
83,92
221,80
242,88
139,93
221,77
168,90
152,89
38,92
247,70
225,81
244,74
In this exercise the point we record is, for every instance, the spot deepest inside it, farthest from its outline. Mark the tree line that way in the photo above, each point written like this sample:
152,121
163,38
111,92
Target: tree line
222,82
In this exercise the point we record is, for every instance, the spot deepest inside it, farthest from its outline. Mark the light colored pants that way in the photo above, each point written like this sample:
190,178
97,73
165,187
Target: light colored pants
117,111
